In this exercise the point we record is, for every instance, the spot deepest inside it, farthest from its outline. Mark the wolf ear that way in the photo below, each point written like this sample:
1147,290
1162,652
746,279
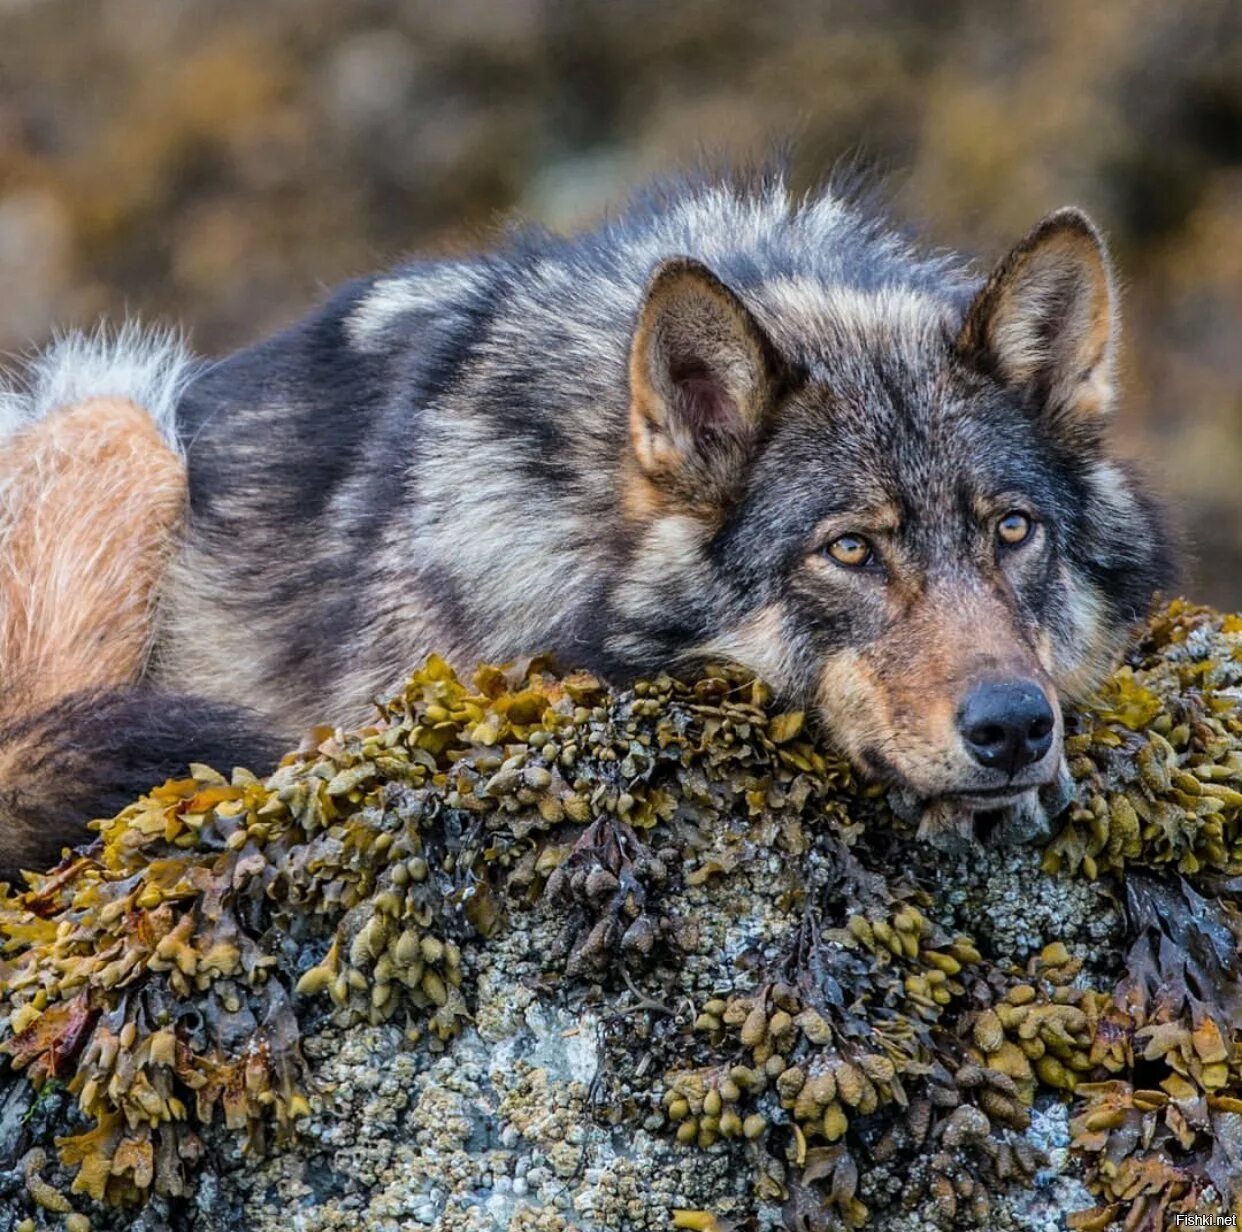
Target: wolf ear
1045,322
702,378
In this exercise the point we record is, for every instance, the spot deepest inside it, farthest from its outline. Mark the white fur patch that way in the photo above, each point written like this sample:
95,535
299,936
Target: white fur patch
148,367
901,318
1112,489
671,547
758,643
433,290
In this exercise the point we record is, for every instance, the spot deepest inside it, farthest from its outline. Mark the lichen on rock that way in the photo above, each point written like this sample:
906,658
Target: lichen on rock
527,953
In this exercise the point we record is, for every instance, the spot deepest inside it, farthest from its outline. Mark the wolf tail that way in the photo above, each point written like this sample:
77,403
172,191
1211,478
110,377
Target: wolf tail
92,500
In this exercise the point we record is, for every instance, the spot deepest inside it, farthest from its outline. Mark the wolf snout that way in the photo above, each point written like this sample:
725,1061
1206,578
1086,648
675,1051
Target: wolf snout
1006,725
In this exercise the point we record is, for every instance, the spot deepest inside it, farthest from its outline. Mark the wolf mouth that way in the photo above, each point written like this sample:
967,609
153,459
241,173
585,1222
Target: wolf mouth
990,797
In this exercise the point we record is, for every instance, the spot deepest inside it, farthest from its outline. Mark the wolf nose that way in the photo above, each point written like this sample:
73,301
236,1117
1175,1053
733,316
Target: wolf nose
1006,724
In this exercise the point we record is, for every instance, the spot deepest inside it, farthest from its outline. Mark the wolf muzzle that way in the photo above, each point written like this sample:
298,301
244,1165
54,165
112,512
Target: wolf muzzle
1007,725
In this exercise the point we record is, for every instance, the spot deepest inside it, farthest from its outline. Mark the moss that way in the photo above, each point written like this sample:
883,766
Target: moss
166,975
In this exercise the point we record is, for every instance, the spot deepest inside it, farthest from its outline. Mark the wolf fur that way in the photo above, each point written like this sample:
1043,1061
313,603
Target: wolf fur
634,448
92,508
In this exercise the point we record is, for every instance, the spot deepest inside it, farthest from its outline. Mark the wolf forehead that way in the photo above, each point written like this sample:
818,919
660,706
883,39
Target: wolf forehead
883,416
896,421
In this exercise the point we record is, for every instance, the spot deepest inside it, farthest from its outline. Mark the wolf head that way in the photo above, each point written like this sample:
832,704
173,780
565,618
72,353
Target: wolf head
900,508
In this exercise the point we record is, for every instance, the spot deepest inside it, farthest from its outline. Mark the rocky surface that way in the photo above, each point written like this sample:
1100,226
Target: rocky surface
530,955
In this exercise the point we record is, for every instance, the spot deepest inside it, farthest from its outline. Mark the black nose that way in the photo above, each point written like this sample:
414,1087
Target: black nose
1006,724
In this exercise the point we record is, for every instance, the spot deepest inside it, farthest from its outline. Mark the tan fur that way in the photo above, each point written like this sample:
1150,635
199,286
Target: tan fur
642,500
880,519
90,501
897,700
854,703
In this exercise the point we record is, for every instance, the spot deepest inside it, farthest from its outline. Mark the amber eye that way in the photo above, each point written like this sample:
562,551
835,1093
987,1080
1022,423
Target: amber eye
852,551
1014,528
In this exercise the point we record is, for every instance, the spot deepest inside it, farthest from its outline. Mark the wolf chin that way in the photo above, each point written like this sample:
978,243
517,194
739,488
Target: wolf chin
728,424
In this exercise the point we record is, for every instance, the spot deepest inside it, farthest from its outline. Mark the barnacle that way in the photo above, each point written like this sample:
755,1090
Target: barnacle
795,1062
164,978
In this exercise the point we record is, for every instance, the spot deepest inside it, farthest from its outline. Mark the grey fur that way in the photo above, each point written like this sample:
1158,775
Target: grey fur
440,459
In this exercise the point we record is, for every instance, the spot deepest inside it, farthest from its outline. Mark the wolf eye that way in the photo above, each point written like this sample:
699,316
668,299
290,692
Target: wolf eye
852,551
1014,528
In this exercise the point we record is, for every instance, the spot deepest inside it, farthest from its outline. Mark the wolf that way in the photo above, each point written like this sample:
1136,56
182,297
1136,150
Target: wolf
729,422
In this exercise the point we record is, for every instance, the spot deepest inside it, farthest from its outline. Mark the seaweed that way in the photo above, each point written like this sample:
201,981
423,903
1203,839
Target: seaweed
166,975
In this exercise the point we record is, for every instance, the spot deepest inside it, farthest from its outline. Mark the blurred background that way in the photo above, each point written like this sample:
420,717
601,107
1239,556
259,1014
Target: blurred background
221,162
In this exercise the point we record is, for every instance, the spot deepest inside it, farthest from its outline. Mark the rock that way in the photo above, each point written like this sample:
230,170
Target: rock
831,1025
